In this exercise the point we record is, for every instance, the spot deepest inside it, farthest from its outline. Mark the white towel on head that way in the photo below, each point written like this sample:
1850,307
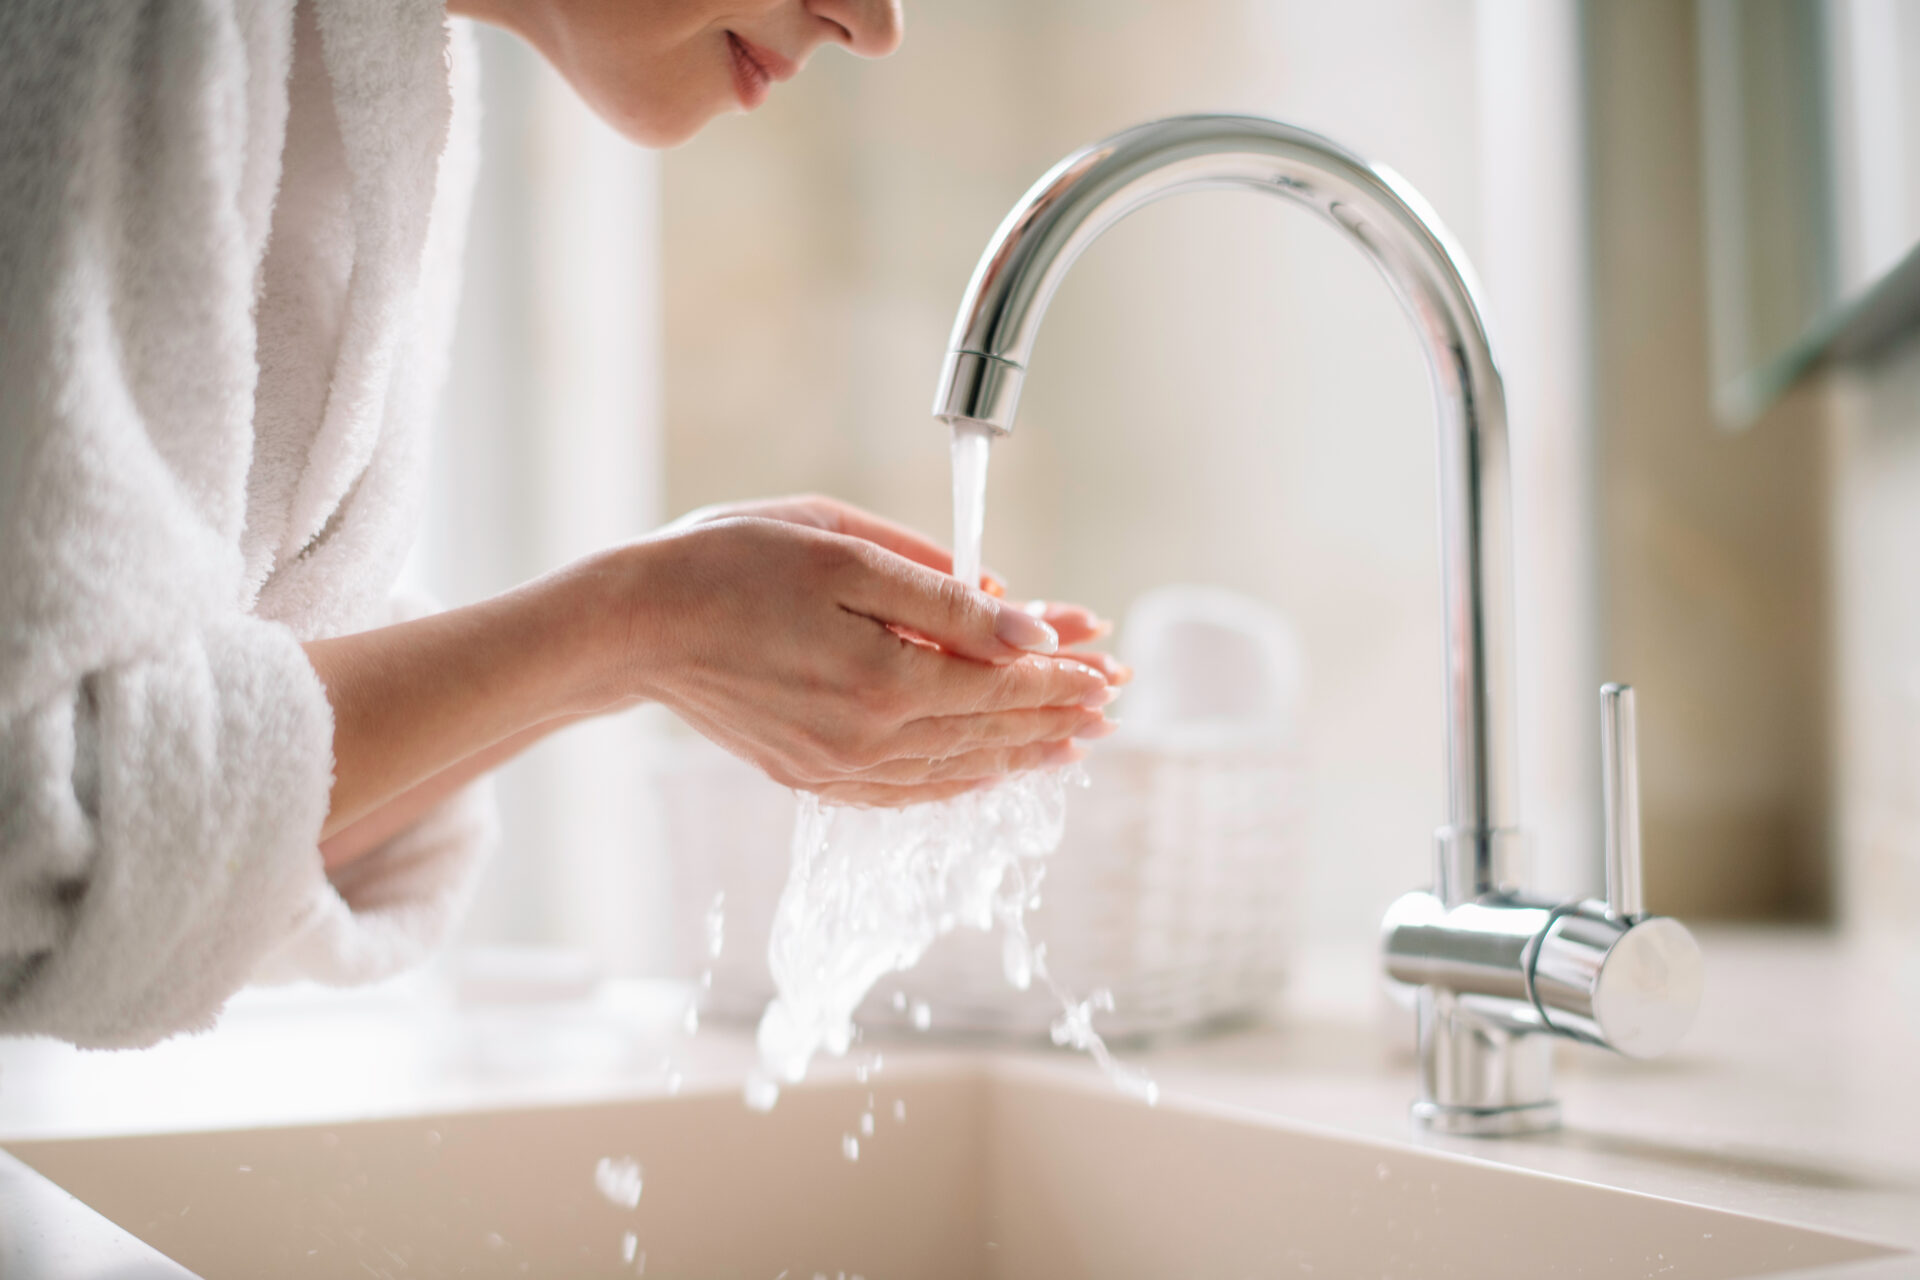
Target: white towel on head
180,507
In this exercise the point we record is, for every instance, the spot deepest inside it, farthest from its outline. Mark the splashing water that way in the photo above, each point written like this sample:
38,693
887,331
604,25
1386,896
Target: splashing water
871,889
1074,1027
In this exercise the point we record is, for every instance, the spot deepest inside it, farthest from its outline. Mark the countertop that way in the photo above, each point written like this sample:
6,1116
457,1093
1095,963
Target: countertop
1793,1098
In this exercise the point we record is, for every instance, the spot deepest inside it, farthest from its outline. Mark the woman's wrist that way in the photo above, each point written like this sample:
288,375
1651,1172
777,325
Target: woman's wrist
413,700
602,609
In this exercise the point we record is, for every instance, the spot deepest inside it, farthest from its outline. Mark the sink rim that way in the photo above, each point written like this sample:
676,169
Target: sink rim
1029,1076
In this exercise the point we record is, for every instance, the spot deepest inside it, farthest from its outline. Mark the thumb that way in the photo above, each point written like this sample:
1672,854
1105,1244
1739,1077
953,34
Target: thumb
893,590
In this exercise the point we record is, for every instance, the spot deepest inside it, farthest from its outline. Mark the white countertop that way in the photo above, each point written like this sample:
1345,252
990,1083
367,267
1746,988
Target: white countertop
1793,1099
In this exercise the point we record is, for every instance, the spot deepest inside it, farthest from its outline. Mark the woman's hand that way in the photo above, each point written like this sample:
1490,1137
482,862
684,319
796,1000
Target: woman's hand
834,651
827,646
1073,624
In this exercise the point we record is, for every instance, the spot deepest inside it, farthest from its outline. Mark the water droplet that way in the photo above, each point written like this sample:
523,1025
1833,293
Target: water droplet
433,1137
717,925
1381,1171
1016,960
692,1019
674,1081
866,1124
618,1178
629,1243
762,1092
899,1110
849,1146
922,1015
493,1242
899,1002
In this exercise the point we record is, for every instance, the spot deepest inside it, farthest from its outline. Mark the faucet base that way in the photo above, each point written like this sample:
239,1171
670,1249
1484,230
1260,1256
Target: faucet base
1486,1122
1478,1073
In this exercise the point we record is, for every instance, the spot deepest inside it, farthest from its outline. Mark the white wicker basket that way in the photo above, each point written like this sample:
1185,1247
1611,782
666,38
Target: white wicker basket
1175,887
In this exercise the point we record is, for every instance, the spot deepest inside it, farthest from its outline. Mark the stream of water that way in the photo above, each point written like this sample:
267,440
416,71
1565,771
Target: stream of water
870,890
972,446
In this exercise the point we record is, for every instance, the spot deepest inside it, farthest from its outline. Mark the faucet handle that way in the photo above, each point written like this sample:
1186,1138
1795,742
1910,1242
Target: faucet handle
1620,800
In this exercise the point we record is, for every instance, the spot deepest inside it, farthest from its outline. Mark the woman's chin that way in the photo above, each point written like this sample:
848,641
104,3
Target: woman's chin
662,125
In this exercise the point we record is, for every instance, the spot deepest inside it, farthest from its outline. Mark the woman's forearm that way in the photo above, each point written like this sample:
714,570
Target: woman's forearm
423,706
365,834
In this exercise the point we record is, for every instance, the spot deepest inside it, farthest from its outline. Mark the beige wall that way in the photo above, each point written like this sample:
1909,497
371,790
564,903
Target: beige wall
1875,438
1715,576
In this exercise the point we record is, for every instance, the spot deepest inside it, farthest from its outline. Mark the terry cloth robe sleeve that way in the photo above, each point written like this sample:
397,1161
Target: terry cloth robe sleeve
165,747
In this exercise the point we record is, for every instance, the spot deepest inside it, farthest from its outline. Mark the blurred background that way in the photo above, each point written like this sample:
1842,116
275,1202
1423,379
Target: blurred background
1692,221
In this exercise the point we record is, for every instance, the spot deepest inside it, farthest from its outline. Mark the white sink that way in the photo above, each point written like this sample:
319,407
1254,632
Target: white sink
990,1174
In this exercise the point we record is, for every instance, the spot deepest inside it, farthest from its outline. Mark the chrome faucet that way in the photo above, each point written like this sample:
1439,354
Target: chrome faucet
1495,976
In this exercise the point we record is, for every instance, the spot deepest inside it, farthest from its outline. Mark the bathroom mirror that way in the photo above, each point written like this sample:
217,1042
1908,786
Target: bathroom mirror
1812,186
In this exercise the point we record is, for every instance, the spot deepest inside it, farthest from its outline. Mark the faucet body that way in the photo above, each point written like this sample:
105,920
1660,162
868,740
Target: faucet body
1470,951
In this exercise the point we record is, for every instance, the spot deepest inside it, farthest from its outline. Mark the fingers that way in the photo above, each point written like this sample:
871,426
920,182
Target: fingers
897,538
896,591
944,687
1116,671
985,764
901,540
940,737
870,795
1073,623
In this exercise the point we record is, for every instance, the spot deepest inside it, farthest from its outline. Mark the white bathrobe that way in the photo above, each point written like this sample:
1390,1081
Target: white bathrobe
228,240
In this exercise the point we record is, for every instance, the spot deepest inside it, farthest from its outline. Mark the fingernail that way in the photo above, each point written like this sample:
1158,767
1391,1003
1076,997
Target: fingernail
1121,673
1024,631
1100,697
1101,728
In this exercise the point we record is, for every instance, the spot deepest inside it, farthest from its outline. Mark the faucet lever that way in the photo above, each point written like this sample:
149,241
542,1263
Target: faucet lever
1620,800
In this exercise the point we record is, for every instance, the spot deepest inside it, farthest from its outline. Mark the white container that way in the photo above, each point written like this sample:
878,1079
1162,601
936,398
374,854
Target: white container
1175,887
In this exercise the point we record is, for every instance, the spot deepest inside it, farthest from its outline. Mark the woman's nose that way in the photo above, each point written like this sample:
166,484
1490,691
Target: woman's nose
871,28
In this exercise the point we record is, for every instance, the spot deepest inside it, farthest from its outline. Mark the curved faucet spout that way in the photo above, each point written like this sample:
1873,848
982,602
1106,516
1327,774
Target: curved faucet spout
1479,850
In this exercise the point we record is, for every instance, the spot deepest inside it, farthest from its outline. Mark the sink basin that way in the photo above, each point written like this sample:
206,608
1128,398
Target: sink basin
984,1173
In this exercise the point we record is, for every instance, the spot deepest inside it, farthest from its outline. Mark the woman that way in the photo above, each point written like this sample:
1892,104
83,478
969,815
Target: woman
227,237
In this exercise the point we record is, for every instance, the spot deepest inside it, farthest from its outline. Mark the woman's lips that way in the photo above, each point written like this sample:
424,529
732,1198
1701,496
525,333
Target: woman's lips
755,69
